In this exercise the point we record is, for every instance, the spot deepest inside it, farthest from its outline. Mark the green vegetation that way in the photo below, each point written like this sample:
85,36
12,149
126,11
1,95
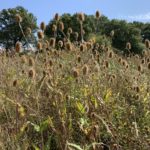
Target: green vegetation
76,95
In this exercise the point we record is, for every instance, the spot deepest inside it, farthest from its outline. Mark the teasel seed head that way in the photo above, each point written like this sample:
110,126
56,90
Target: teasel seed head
148,65
28,31
15,82
140,68
23,59
143,61
18,18
69,30
144,52
75,72
54,27
52,42
68,46
85,70
128,45
31,73
110,54
61,26
40,35
31,61
56,17
82,47
97,15
81,17
147,43
60,43
18,47
39,45
106,64
42,26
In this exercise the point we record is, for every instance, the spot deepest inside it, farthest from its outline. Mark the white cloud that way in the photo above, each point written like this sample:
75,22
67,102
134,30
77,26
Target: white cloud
140,17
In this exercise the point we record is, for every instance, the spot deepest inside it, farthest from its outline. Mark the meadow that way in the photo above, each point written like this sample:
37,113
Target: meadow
77,95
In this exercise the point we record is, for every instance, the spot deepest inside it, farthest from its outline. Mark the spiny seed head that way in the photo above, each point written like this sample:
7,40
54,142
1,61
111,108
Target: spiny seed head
112,33
144,52
106,64
147,43
31,73
97,14
52,42
40,35
76,35
60,43
148,60
81,17
50,62
143,61
18,47
18,18
69,30
140,68
28,31
61,26
79,58
42,26
57,17
54,27
15,82
31,61
128,45
23,59
39,45
68,46
85,70
110,54
148,65
82,47
75,72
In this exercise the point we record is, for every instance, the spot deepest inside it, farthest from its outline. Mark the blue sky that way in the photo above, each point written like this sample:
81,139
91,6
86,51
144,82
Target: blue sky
44,10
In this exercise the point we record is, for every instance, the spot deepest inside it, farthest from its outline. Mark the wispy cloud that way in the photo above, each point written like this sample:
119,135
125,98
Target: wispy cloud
139,17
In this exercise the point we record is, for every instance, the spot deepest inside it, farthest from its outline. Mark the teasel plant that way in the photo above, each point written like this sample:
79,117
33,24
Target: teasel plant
19,20
97,16
81,19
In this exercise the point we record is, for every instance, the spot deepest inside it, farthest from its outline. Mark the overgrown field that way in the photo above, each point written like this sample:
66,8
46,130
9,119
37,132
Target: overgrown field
75,98
74,95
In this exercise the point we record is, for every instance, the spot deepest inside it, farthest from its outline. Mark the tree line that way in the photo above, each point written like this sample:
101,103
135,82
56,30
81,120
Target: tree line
107,32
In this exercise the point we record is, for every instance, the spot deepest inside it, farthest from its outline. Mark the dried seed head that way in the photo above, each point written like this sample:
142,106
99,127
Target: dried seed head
82,47
148,65
147,43
140,68
60,44
46,44
28,31
57,17
18,47
23,59
89,45
106,64
50,62
52,42
18,18
40,35
68,46
128,45
79,58
112,33
42,26
143,61
61,26
39,45
15,82
76,35
85,70
110,54
54,27
69,30
31,61
31,73
97,14
148,60
144,52
75,73
81,17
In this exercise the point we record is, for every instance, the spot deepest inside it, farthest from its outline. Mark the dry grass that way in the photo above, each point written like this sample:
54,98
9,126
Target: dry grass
76,98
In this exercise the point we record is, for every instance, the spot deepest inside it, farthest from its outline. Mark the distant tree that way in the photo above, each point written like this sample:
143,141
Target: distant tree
10,31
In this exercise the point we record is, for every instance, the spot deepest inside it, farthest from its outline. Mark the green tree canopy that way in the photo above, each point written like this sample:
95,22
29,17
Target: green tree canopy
10,32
